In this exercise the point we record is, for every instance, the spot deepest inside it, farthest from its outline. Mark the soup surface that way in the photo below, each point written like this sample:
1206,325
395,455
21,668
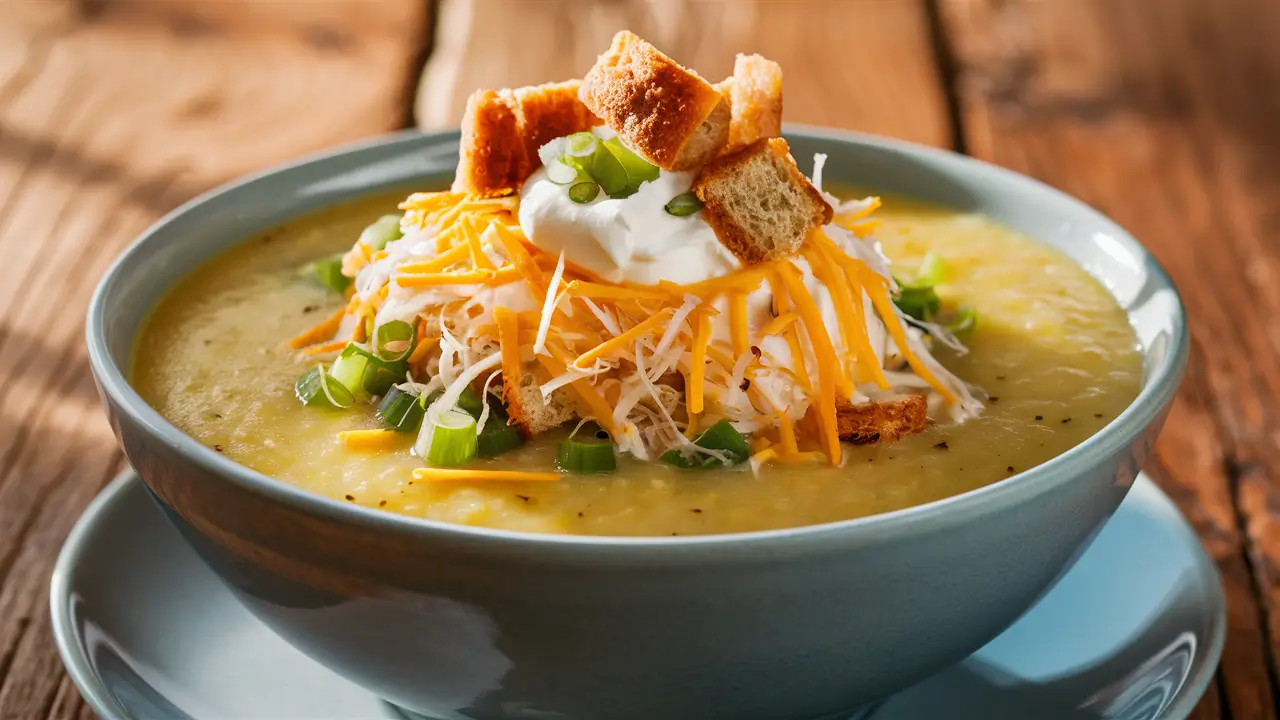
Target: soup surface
1052,349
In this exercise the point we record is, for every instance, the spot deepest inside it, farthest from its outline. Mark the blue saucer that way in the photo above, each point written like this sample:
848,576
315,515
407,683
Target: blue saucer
1133,632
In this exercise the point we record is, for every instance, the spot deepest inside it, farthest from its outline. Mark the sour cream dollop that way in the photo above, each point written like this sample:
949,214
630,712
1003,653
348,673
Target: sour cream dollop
633,239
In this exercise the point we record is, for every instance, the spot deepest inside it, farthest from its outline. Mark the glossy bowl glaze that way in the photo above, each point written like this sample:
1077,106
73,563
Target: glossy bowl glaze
805,623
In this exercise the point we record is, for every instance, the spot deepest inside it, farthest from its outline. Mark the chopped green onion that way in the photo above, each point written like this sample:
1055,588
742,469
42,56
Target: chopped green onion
684,205
320,389
606,170
365,373
394,341
448,439
562,173
382,231
581,144
721,437
932,272
348,369
583,192
589,449
401,410
468,401
329,272
552,150
638,169
498,437
921,303
964,321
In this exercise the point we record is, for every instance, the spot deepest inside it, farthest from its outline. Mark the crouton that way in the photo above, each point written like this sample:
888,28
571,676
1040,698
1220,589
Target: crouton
881,422
502,131
529,412
663,111
759,203
755,100
492,158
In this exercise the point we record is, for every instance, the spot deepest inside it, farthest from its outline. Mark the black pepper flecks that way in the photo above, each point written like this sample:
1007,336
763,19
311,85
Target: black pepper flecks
1039,417
994,399
525,498
942,445
580,515
696,510
1010,469
1066,420
310,309
351,498
1097,415
382,503
999,377
217,448
745,385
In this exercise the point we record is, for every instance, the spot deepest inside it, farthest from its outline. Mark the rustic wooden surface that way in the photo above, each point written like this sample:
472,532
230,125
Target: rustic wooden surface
1159,112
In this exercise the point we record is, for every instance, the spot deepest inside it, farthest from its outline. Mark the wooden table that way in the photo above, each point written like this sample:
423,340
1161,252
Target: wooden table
1163,113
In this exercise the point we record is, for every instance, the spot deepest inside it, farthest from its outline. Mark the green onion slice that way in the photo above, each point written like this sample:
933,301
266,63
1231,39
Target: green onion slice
684,205
721,437
964,321
498,437
606,170
401,410
364,373
394,341
917,302
329,272
581,144
932,272
583,192
468,401
638,169
318,388
448,439
589,449
382,231
562,173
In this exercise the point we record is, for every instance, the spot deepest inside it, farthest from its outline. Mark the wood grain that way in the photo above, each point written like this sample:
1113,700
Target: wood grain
858,64
110,114
1159,113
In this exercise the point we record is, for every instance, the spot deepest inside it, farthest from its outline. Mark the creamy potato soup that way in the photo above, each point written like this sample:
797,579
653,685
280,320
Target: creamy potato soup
1053,353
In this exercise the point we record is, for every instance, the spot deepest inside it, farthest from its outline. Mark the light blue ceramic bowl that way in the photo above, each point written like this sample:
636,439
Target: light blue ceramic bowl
459,622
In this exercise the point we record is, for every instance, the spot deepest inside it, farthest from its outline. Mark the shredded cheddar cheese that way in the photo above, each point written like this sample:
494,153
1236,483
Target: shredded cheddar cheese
371,440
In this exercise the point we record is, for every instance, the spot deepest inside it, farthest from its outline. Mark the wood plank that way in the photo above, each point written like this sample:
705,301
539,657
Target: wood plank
1159,112
111,113
858,64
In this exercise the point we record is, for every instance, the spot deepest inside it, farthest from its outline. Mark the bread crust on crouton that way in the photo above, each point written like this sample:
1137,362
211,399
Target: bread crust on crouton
759,203
502,131
491,158
663,111
528,412
881,422
755,100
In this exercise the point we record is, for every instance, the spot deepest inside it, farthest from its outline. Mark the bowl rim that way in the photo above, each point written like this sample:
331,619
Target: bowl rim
1120,433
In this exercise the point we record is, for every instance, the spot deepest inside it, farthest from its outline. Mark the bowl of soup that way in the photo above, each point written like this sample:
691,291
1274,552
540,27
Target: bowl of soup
792,592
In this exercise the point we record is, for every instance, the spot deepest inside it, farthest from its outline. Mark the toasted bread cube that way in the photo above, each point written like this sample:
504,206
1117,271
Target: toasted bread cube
492,158
663,111
503,129
755,100
547,112
759,203
881,422
529,412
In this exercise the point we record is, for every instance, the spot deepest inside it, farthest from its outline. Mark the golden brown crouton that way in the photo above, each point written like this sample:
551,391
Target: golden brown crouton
881,422
529,412
755,100
502,131
492,158
663,111
759,203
